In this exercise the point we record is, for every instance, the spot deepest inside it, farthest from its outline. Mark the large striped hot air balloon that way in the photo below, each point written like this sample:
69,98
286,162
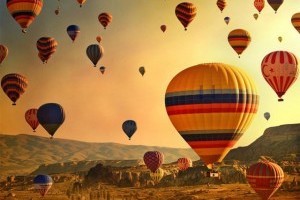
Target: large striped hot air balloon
259,5
280,70
14,86
239,40
46,47
73,31
105,19
31,118
129,127
296,21
3,52
185,12
81,2
153,160
42,183
157,175
265,178
275,4
94,53
51,116
221,4
211,106
24,11
184,163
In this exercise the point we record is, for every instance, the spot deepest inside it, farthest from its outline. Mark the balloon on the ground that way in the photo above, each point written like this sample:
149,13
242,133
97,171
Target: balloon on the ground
31,118
42,183
239,39
185,12
199,98
153,160
157,175
94,53
3,52
184,163
129,127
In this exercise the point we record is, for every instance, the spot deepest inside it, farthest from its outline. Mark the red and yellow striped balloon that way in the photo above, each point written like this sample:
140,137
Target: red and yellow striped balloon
211,106
296,21
265,178
185,12
46,47
3,52
31,118
221,4
280,70
105,19
24,11
239,39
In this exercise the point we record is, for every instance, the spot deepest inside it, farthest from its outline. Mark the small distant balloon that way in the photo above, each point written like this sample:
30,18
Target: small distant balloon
221,4
94,53
239,40
102,69
227,20
255,15
105,19
275,4
73,31
163,28
3,52
185,12
142,70
259,5
280,39
296,21
56,11
81,2
267,115
129,127
98,38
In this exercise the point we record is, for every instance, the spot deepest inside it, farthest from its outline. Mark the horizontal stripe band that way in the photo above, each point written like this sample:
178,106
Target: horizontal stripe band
210,136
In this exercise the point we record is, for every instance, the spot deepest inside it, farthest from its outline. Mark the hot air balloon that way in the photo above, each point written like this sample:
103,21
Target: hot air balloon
94,53
280,70
31,118
73,31
296,21
56,11
24,11
163,28
239,40
201,97
221,4
46,47
227,20
129,127
142,70
267,115
280,39
42,183
255,15
3,52
185,12
153,160
14,86
265,178
51,116
81,2
259,5
98,38
102,69
105,19
157,175
275,4
184,163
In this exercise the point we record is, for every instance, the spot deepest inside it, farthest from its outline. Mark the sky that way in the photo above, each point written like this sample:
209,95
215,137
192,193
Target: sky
96,105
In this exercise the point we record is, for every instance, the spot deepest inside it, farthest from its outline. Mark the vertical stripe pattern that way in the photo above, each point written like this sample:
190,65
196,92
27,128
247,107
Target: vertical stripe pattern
31,118
94,53
185,12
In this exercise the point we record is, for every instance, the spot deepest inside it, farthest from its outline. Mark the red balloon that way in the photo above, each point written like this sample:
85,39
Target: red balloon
153,160
31,118
259,5
184,163
265,178
280,70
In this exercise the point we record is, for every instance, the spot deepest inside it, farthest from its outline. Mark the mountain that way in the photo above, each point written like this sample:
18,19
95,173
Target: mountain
22,154
279,143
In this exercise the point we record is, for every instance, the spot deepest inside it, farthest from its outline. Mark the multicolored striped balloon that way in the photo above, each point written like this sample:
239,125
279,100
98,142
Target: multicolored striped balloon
42,183
275,4
46,47
259,5
24,11
280,70
265,178
105,19
296,21
211,106
221,4
153,160
239,39
94,53
14,86
81,2
184,163
185,12
3,52
31,118
73,31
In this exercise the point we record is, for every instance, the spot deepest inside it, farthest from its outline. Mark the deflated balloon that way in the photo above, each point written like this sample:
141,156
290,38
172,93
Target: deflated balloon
259,5
73,31
51,116
153,160
14,86
199,98
265,178
31,118
221,4
24,11
42,183
280,70
105,19
3,52
129,127
185,12
275,4
184,163
239,39
46,47
94,53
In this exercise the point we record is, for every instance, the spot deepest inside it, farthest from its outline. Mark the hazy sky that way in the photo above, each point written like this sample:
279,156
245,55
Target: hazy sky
96,105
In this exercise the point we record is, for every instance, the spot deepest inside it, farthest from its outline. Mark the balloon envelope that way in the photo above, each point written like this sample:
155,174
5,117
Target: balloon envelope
51,116
259,5
105,19
267,115
31,118
296,21
129,127
102,69
46,47
42,183
153,160
239,40
94,53
255,15
163,28
157,175
3,52
265,178
221,4
142,70
73,31
200,98
185,12
275,4
184,163
81,2
227,20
